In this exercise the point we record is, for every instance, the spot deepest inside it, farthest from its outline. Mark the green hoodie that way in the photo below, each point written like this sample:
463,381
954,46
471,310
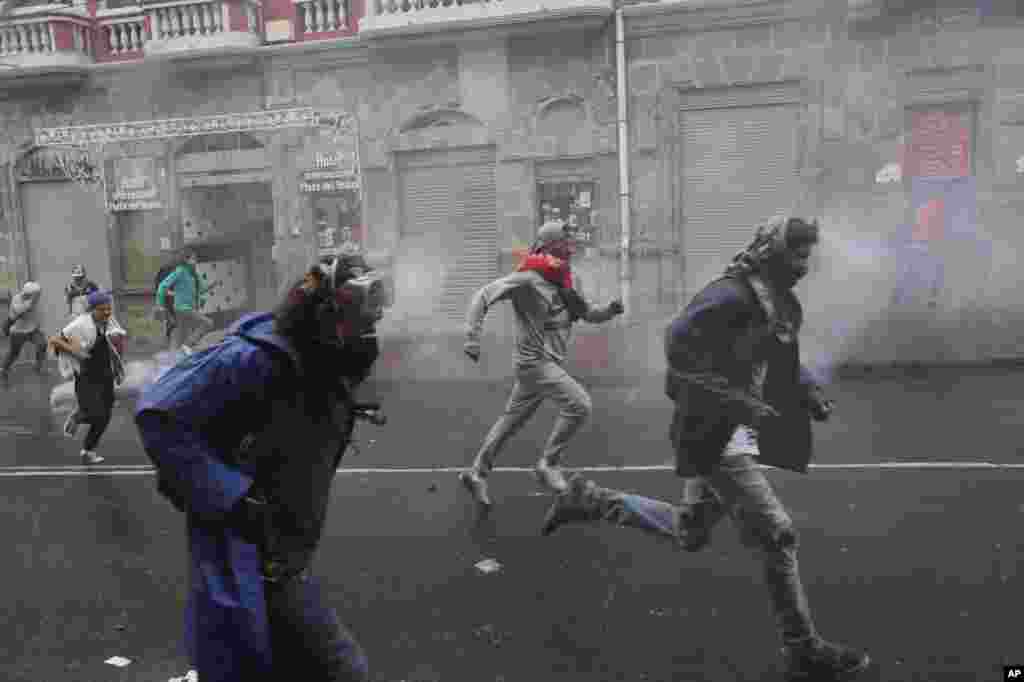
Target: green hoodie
189,290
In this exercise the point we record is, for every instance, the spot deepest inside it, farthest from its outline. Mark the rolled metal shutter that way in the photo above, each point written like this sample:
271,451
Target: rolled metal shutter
451,197
65,225
739,168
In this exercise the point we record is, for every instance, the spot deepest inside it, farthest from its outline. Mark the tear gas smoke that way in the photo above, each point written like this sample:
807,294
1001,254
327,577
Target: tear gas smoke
848,291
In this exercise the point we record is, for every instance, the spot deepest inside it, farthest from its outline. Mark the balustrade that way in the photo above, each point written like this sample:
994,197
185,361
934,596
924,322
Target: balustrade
33,38
323,16
125,36
184,21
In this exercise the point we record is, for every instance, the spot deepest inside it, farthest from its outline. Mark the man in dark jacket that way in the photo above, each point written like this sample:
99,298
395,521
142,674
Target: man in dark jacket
78,289
165,312
740,393
220,429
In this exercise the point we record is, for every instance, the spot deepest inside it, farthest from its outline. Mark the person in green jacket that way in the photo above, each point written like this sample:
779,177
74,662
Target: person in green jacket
189,298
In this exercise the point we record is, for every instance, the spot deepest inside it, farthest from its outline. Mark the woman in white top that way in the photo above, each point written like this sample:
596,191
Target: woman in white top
87,351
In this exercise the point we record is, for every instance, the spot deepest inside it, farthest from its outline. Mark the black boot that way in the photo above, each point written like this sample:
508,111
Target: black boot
700,510
825,661
583,501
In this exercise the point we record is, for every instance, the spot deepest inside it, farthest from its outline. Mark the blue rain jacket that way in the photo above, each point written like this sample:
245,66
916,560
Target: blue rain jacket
192,420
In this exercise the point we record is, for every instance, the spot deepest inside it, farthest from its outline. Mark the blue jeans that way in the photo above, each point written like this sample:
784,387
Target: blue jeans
742,492
307,639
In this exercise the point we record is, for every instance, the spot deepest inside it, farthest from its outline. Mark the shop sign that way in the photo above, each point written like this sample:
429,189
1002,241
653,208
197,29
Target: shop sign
133,131
343,161
335,169
316,182
48,164
135,185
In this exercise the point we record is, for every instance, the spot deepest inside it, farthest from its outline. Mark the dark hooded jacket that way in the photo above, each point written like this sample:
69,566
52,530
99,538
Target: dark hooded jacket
712,348
219,426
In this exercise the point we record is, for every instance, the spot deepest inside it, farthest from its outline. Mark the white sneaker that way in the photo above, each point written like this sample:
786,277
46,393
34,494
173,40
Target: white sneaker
90,457
551,477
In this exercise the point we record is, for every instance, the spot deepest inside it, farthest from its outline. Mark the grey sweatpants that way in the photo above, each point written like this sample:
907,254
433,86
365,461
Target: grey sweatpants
533,386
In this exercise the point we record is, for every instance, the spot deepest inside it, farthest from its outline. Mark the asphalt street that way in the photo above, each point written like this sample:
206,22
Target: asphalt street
910,533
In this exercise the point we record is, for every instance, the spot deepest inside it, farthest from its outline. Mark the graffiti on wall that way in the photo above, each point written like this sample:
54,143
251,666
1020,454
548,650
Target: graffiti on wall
943,237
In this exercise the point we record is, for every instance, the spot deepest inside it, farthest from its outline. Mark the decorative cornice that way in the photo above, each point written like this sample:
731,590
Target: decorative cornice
132,131
675,17
442,31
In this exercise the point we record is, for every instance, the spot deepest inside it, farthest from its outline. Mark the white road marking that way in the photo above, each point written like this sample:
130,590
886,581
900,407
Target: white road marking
146,470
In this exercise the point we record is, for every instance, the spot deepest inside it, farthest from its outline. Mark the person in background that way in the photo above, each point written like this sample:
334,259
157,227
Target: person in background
189,298
86,350
23,327
741,394
165,311
77,290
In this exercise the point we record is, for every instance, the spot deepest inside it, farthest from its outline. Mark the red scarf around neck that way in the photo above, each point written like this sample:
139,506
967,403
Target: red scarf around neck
550,268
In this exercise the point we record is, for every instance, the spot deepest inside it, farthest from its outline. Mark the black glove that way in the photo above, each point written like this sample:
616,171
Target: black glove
820,407
616,307
248,518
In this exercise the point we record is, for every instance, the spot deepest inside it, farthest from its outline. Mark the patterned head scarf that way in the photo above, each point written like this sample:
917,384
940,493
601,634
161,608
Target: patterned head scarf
771,239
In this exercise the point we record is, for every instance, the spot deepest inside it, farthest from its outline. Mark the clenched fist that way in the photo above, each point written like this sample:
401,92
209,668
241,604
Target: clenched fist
821,409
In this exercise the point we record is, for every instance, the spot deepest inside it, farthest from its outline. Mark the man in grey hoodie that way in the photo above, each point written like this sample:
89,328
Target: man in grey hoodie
25,328
546,304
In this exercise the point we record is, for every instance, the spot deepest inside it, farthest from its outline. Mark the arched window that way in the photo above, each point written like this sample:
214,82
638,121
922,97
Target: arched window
439,119
563,117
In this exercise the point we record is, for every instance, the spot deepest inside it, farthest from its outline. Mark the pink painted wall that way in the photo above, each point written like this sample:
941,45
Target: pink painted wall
99,40
63,36
237,20
358,11
279,9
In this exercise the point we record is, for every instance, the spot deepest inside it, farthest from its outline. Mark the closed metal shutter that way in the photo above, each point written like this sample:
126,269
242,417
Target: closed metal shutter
739,168
66,225
449,202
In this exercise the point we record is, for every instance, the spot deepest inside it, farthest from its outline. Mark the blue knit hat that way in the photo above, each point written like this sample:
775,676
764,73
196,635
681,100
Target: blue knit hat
97,298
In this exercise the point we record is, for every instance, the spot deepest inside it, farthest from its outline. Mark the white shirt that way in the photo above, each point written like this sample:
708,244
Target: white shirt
84,330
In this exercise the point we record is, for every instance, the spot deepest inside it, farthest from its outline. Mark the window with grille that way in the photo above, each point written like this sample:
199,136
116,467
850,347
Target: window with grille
575,204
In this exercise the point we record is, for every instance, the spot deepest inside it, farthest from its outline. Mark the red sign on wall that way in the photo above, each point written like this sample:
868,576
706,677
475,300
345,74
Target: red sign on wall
939,144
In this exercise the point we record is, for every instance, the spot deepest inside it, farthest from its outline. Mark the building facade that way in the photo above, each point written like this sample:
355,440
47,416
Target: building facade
896,123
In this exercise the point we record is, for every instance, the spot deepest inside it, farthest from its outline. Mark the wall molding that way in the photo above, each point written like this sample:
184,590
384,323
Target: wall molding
695,17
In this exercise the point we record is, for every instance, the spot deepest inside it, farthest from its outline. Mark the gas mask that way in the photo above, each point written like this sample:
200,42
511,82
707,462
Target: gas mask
351,306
